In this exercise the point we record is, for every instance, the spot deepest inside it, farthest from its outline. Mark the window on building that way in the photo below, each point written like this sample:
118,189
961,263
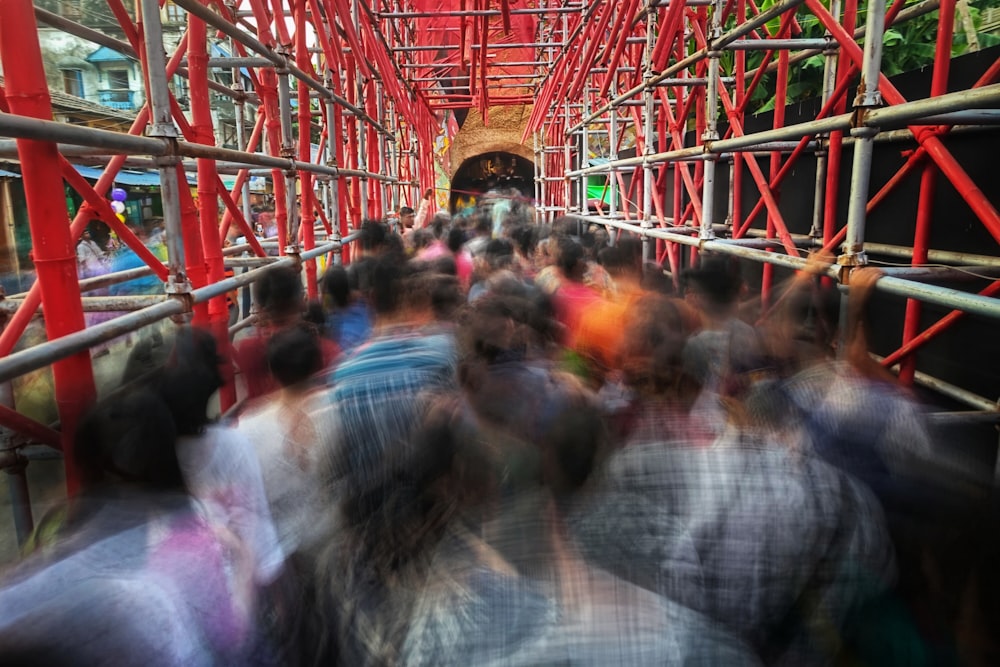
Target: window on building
174,14
73,82
118,79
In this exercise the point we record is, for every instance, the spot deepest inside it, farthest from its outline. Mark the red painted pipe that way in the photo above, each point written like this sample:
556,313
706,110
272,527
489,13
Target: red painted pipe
53,247
928,183
305,146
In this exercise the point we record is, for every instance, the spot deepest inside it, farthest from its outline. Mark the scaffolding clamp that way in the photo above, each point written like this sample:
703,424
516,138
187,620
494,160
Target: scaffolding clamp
179,287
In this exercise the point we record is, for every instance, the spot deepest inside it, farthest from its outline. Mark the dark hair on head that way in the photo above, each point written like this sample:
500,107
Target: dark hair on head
406,210
446,296
337,285
294,355
129,438
386,280
570,258
499,253
189,378
631,249
483,223
654,341
440,224
717,279
612,259
315,316
565,225
444,265
279,292
373,235
456,239
422,238
654,280
525,238
572,445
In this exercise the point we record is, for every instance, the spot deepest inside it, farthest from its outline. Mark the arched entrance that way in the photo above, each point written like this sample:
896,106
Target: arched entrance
496,171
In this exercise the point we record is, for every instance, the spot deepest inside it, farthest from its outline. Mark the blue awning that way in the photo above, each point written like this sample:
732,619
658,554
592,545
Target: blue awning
9,174
124,177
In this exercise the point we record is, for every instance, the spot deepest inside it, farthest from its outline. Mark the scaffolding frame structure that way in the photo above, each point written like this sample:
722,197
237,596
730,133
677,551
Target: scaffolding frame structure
380,78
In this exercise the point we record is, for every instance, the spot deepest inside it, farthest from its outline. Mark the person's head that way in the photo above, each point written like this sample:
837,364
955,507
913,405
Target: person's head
189,378
714,287
406,217
294,355
337,285
571,259
456,239
373,237
128,439
280,296
651,348
499,254
440,224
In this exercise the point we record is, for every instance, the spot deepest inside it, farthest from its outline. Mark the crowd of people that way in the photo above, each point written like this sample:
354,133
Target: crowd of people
513,444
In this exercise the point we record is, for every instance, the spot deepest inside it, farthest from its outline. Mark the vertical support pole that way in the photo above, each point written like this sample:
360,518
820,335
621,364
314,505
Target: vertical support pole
333,185
287,224
739,95
829,84
835,147
208,202
928,184
711,133
868,97
20,499
537,179
613,152
648,248
161,124
305,213
52,244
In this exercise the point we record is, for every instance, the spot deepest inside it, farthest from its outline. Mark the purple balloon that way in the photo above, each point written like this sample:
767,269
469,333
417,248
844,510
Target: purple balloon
119,195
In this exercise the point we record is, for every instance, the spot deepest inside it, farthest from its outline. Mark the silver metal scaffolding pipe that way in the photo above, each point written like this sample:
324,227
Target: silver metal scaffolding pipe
715,45
161,129
887,250
99,304
868,98
885,117
958,394
22,127
711,133
254,44
39,356
780,44
935,294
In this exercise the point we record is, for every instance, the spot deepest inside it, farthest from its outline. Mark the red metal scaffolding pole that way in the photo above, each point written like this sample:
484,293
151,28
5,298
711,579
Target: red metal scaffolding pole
52,241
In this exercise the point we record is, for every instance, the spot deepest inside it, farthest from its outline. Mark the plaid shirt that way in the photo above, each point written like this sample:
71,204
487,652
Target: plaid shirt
772,546
378,394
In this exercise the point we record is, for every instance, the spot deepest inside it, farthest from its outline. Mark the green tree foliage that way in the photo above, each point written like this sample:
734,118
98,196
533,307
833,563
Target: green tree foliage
907,46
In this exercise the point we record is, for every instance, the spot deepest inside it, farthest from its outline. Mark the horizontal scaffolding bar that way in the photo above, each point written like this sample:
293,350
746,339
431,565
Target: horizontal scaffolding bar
893,116
565,9
283,62
780,44
46,130
941,296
